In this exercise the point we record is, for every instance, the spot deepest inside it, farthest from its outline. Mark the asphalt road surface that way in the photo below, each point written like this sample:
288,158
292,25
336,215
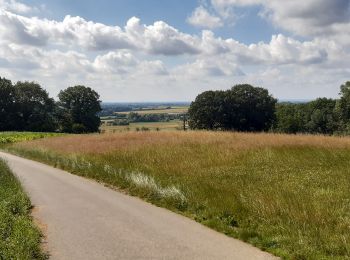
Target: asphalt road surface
82,219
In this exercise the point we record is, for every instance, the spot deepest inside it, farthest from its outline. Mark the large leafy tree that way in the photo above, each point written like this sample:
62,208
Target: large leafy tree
290,118
207,111
79,106
250,108
321,116
35,109
242,108
8,107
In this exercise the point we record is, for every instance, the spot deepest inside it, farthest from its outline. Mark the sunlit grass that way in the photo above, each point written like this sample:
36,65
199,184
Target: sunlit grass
19,238
289,195
13,137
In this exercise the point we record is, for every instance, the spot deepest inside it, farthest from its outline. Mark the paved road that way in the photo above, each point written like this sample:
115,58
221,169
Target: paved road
85,220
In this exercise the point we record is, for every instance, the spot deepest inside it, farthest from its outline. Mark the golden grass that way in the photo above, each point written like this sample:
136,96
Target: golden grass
287,194
105,143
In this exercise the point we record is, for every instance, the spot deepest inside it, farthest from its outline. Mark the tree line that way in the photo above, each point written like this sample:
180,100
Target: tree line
26,106
248,108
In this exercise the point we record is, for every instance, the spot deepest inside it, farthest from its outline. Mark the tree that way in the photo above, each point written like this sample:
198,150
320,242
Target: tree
242,108
207,111
35,108
78,106
343,106
250,108
290,118
7,105
321,116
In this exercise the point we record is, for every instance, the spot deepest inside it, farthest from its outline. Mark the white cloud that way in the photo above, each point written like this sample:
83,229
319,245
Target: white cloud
17,7
307,17
137,61
159,38
203,19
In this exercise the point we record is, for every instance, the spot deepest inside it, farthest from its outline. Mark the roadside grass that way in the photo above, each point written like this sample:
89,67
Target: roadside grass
287,194
19,238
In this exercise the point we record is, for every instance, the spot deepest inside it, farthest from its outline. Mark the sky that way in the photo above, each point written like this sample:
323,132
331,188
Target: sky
172,50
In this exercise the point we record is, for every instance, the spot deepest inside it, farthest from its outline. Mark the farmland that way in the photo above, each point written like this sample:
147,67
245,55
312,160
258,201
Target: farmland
287,194
161,110
19,238
142,126
143,117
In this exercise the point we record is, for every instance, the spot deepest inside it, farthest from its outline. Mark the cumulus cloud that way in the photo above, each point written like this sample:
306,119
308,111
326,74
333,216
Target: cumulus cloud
135,58
307,17
203,19
159,38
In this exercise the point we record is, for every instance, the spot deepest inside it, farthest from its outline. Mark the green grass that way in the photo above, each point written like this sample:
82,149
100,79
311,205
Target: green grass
289,195
13,137
19,237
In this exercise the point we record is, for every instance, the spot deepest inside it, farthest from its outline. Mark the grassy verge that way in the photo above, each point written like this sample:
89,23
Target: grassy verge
288,195
19,238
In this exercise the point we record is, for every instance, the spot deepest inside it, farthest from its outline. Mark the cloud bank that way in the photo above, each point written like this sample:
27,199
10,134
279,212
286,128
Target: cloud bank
134,61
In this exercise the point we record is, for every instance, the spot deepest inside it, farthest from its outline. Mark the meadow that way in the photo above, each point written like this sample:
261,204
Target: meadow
19,237
287,194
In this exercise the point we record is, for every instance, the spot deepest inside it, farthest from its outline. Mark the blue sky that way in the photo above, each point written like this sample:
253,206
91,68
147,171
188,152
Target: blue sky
167,50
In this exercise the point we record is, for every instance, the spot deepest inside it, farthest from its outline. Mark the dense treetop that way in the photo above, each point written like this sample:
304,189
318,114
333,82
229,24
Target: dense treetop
242,108
26,106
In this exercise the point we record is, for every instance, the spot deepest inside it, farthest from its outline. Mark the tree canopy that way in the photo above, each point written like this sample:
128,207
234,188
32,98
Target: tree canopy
26,106
242,108
78,107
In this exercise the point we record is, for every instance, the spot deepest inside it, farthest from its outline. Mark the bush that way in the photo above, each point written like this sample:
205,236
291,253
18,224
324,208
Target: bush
78,129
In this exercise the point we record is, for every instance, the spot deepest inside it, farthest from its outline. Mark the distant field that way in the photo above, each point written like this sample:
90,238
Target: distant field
172,110
287,194
152,126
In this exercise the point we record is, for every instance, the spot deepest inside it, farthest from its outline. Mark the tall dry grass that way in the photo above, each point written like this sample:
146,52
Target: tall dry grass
288,194
105,143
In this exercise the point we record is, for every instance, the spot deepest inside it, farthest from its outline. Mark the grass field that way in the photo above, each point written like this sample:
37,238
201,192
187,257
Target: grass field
289,195
152,126
19,238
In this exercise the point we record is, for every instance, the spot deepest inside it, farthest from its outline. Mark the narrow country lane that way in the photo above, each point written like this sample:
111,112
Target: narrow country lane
85,220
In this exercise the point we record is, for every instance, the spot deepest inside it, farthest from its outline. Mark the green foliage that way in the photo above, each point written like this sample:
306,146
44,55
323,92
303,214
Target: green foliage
315,117
14,137
19,238
25,107
290,118
35,108
242,108
134,117
79,106
7,105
